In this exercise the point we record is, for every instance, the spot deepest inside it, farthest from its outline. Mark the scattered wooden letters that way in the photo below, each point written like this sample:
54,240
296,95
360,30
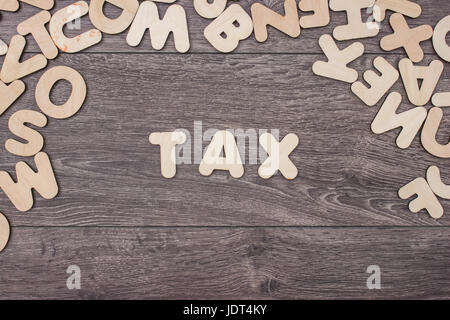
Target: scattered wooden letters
230,25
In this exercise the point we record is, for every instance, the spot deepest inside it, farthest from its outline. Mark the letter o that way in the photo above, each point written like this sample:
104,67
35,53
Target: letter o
45,85
439,41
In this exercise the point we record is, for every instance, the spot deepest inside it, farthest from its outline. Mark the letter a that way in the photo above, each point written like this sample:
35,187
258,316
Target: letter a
213,161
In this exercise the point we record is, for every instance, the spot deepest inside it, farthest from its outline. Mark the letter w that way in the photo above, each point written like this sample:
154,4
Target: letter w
43,181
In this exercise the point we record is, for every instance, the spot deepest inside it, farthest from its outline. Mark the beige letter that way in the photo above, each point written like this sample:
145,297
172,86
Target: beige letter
13,5
439,38
436,184
430,76
429,132
411,121
36,26
80,42
405,37
355,28
278,158
112,26
43,181
10,94
174,21
167,142
224,24
4,232
378,85
45,85
405,7
3,48
336,67
222,140
209,10
17,126
263,16
425,198
321,16
13,69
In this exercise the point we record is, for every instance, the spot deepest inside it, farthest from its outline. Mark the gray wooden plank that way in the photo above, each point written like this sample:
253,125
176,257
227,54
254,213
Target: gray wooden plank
223,263
433,11
109,174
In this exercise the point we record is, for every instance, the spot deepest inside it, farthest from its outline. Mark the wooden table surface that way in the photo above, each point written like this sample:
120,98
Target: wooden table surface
135,234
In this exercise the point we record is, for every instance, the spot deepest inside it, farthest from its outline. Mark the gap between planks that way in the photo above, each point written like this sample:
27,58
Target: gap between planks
385,227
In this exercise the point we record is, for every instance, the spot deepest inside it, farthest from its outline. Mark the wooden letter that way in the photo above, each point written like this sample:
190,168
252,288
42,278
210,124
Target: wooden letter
10,94
439,38
429,132
336,67
263,16
167,142
387,119
356,28
378,85
434,180
112,26
43,181
45,85
321,16
209,10
225,24
410,76
404,7
174,21
9,5
42,4
13,5
441,99
80,42
4,232
405,37
13,69
3,48
36,26
222,140
278,158
17,126
425,198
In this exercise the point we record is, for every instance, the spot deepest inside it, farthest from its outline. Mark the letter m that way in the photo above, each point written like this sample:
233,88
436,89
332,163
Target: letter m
43,181
174,21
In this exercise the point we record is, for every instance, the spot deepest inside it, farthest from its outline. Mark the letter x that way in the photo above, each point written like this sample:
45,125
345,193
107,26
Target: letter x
278,156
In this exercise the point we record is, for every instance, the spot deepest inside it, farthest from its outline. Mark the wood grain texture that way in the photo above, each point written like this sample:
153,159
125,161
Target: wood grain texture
277,42
110,175
135,234
223,263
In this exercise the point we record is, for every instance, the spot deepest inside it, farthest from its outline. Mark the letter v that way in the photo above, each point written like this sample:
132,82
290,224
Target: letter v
43,181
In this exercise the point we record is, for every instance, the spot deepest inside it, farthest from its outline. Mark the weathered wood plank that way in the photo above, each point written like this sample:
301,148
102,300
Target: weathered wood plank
221,263
109,174
433,11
